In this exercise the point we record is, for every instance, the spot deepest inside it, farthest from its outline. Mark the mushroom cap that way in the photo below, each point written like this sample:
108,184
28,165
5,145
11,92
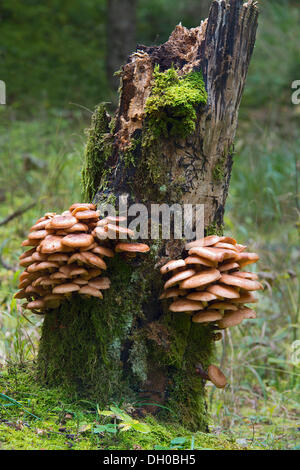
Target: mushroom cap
93,259
179,277
61,222
81,208
223,306
51,244
41,266
245,298
100,233
227,246
104,251
65,288
76,257
88,290
171,265
200,279
39,225
246,284
216,376
87,215
78,240
116,230
27,253
77,271
132,247
220,290
38,234
205,241
100,283
210,253
21,294
58,257
228,266
35,304
78,227
201,296
246,275
207,316
245,258
200,260
173,292
230,319
87,205
248,312
185,305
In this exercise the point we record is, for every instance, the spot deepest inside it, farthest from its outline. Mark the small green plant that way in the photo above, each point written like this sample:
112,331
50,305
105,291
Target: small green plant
122,422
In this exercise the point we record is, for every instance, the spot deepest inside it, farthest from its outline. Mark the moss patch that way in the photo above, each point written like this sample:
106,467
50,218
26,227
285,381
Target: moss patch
98,149
171,108
67,422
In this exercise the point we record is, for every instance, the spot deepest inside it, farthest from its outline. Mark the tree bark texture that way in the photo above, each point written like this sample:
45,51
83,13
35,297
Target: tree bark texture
129,345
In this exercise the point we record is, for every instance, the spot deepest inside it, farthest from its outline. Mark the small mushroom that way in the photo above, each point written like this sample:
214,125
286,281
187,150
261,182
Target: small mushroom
216,376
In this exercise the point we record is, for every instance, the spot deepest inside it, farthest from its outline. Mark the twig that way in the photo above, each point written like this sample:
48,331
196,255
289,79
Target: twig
16,214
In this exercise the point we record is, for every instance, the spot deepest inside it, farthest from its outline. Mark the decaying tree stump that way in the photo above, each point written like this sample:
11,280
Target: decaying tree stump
170,142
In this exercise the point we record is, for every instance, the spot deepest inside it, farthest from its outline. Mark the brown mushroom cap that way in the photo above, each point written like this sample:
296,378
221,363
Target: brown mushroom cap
88,290
100,283
210,253
132,247
245,298
179,277
61,222
36,304
87,215
87,205
216,376
93,259
231,319
207,316
65,288
185,305
205,241
246,284
200,260
173,292
104,251
27,253
201,279
220,290
223,306
202,296
51,244
171,265
78,227
58,257
117,231
78,240
228,266
246,275
38,234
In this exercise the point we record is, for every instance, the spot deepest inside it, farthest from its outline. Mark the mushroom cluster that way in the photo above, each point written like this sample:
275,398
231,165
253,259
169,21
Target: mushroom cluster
210,284
67,256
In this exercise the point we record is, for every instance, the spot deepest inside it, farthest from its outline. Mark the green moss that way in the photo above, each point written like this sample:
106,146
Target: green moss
98,149
218,171
171,108
67,422
214,229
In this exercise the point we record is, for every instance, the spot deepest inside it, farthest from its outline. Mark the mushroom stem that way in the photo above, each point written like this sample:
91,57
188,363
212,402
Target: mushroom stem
201,372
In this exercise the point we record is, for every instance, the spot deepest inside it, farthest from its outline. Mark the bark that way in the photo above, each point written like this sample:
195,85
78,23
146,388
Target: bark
129,345
121,32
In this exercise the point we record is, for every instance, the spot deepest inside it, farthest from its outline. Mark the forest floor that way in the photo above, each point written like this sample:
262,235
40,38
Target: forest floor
35,418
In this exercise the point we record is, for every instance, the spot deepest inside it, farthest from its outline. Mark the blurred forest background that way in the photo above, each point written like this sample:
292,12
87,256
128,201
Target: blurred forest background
57,60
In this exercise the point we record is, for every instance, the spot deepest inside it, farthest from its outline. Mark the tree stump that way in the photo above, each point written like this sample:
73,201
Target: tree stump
171,141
